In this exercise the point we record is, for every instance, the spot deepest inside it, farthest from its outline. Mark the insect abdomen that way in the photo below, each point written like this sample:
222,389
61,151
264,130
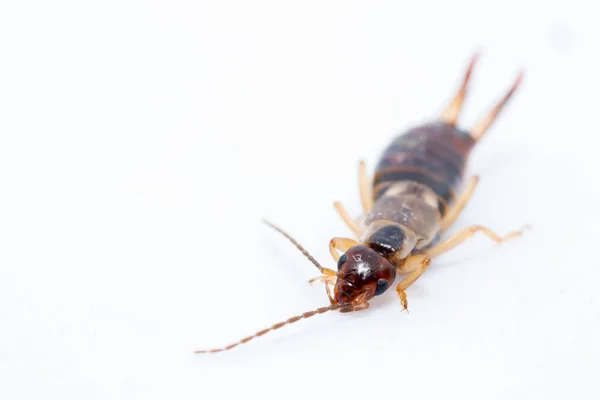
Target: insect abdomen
414,184
433,155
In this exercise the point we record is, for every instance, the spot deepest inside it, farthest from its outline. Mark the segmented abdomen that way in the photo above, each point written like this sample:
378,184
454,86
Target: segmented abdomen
433,155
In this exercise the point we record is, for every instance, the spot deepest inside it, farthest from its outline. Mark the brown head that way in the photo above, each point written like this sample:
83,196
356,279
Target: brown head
363,274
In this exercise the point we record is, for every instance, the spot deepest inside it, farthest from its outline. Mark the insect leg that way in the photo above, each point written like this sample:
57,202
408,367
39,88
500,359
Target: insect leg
341,244
324,271
418,263
328,290
366,190
335,244
486,121
450,114
329,276
347,219
462,201
465,234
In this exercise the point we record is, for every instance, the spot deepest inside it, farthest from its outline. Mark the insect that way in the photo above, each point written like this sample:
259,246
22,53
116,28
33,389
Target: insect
410,202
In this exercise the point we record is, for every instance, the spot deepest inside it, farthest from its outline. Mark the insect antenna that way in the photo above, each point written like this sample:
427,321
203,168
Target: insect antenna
307,314
298,246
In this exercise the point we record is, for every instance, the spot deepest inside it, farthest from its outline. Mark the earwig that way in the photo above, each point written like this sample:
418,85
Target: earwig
410,202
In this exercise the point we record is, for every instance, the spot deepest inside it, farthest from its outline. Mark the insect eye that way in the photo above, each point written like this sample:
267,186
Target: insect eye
382,286
342,260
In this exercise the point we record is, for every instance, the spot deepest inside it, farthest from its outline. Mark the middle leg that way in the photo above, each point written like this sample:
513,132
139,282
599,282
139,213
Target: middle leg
462,201
343,213
366,191
366,197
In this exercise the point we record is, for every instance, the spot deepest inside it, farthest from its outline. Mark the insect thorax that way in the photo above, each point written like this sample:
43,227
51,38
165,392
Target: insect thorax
406,217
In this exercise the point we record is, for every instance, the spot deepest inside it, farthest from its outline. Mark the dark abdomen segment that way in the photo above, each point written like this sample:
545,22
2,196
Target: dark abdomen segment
433,155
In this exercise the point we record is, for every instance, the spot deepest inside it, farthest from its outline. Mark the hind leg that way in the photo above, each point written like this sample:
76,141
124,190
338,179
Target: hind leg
416,264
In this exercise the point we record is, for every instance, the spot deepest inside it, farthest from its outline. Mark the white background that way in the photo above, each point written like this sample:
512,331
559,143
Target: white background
143,141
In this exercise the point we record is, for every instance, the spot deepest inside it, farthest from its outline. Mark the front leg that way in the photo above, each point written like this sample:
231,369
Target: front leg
359,304
341,244
336,244
328,279
417,263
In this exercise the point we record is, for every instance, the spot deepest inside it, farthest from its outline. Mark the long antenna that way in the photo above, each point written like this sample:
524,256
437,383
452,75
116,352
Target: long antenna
298,246
307,314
